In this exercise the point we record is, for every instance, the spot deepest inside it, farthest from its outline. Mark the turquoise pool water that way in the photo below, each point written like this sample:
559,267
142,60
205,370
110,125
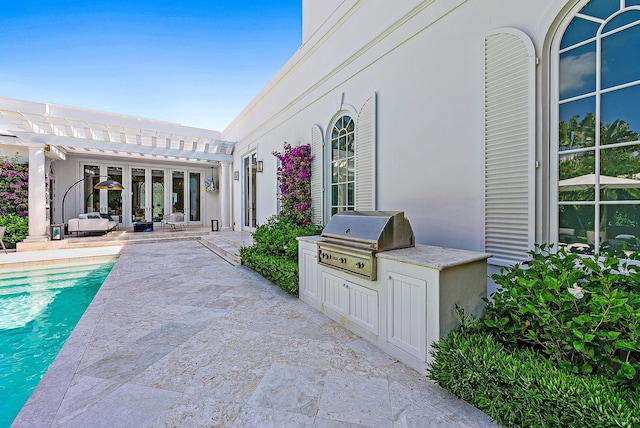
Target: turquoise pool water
38,310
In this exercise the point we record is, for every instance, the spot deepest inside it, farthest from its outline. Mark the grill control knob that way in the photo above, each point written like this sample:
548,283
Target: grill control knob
343,260
360,265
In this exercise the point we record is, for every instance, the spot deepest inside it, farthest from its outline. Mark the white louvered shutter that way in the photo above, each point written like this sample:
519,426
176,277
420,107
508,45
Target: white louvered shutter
365,196
317,167
509,146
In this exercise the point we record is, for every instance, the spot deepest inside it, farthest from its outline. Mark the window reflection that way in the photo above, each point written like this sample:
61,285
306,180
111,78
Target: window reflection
620,115
620,228
600,8
599,121
578,31
619,66
621,20
620,173
576,231
578,71
342,165
577,124
577,176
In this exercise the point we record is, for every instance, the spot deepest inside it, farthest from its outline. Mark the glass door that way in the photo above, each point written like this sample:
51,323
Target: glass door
249,165
194,197
186,195
177,192
147,195
139,208
102,201
157,195
91,195
111,200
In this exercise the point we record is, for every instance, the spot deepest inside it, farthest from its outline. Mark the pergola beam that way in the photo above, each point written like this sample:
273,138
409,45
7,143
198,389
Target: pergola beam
117,148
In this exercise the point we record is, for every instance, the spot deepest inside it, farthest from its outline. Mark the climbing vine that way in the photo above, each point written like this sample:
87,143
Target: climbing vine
294,174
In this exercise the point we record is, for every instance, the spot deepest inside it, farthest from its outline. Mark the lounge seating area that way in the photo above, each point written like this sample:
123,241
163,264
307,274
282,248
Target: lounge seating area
91,223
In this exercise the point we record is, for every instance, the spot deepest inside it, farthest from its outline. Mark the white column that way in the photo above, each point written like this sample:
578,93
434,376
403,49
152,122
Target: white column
37,196
225,196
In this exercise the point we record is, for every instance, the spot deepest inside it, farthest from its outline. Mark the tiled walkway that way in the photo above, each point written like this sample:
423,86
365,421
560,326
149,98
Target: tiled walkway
177,337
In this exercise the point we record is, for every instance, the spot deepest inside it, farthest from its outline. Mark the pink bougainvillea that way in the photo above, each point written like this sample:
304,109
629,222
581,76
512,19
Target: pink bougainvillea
294,175
14,188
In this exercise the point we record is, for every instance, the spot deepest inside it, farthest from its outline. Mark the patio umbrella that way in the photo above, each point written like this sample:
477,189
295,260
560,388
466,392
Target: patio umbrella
588,181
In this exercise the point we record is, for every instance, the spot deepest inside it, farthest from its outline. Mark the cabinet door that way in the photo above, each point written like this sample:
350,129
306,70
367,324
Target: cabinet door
363,307
357,304
309,277
335,294
407,313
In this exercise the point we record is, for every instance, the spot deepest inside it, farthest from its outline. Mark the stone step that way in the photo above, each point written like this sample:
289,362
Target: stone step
228,253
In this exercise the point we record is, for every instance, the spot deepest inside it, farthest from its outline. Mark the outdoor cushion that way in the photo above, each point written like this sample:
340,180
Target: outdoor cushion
89,215
96,224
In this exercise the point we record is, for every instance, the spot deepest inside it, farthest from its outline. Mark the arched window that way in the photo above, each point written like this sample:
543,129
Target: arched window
342,146
343,170
599,126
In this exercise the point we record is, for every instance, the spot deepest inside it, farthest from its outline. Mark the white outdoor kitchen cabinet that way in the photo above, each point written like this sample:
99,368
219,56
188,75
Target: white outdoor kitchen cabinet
409,306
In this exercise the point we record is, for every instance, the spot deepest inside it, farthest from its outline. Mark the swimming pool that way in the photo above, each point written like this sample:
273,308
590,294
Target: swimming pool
38,310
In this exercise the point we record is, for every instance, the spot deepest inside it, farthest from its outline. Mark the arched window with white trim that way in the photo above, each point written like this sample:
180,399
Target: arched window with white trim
342,164
598,113
343,170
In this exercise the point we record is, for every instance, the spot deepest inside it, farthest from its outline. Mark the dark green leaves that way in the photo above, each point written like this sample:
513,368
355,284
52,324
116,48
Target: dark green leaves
581,310
522,388
274,254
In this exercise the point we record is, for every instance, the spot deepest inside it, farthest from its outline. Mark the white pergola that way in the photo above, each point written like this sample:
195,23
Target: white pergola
52,130
70,129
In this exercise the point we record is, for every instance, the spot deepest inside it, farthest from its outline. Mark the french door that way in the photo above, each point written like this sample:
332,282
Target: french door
147,194
103,201
186,195
249,166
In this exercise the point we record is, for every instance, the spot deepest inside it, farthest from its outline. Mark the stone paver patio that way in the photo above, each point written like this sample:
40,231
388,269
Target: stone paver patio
177,337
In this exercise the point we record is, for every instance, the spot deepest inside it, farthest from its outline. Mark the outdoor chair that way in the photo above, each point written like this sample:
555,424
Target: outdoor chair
175,220
2,230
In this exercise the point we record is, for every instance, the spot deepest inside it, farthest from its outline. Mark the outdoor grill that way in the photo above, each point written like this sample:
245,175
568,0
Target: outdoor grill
351,239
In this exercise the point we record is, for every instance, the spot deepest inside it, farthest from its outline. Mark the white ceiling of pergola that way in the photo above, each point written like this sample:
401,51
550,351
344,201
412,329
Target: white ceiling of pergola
88,132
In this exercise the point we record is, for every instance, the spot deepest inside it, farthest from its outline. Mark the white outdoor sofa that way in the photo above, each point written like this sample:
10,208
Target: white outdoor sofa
91,223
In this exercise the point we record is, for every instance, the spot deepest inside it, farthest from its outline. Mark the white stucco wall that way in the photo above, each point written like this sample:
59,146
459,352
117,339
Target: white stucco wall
425,62
315,13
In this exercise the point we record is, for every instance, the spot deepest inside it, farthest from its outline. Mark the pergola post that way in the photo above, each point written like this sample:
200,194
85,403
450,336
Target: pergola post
37,195
225,196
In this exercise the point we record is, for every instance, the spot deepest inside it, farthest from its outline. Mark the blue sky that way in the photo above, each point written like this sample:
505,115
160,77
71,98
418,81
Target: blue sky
197,63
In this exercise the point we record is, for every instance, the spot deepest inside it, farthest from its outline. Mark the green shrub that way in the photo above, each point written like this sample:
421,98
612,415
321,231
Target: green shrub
274,253
277,269
17,229
522,388
277,236
583,312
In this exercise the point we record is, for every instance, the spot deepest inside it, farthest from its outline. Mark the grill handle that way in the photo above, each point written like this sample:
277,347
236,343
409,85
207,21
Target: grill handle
363,244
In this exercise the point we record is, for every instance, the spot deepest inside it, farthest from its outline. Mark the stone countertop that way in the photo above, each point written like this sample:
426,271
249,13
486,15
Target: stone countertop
439,258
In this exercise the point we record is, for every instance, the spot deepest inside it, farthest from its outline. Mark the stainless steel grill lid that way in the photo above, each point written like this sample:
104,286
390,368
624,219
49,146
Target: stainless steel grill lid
373,230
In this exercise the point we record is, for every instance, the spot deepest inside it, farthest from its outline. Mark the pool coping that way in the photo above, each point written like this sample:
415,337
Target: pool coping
19,260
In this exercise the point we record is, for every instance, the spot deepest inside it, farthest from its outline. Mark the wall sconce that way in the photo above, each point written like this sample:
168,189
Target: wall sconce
259,169
236,175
